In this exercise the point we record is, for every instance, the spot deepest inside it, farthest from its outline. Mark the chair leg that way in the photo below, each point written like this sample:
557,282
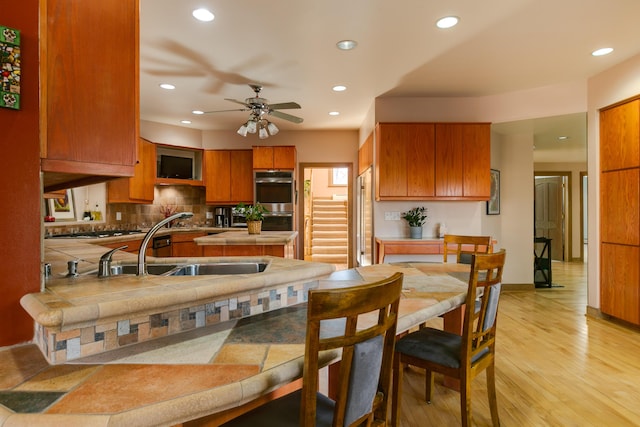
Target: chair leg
396,390
428,386
465,402
491,390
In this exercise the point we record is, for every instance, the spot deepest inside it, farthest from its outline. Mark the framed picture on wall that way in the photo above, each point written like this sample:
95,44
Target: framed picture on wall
62,208
493,204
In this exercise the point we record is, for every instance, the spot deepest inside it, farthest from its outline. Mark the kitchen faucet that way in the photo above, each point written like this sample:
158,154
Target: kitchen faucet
142,255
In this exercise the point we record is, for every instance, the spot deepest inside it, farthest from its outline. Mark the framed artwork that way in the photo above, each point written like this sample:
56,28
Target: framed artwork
493,205
9,68
62,208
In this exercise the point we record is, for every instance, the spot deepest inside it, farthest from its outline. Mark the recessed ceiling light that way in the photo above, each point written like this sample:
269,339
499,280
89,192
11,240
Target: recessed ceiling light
602,52
203,15
447,22
197,112
339,88
347,44
563,138
167,86
186,122
334,113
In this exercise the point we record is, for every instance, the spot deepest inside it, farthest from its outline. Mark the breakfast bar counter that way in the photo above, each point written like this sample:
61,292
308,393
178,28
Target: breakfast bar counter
201,374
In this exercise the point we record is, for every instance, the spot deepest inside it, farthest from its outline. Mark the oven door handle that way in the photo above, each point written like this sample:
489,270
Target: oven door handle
278,214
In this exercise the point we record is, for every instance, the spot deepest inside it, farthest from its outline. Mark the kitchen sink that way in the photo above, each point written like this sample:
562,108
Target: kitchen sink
206,269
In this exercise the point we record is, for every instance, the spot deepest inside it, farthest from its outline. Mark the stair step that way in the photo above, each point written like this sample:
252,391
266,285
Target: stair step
332,250
330,241
329,227
330,213
330,220
329,234
331,259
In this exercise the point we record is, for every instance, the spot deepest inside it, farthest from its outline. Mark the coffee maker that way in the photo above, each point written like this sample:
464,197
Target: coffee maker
222,216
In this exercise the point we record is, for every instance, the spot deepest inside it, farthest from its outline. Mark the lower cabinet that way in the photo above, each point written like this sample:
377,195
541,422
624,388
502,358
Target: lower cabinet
182,245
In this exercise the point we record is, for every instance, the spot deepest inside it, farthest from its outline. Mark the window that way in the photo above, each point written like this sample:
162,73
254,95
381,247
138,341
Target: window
339,177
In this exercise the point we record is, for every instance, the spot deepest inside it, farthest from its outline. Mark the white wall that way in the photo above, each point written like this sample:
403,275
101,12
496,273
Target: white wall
161,133
616,84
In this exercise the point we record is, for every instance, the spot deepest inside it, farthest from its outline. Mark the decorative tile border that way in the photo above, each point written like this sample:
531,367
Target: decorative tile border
60,347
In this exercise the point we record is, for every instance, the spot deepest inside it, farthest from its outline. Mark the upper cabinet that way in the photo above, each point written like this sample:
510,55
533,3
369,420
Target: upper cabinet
228,176
139,188
619,136
90,92
365,155
281,157
427,161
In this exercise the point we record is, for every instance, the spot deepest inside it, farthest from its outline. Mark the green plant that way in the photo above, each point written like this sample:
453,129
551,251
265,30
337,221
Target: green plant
416,217
252,212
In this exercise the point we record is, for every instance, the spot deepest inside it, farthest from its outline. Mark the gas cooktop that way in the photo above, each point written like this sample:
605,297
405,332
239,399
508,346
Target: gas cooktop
93,234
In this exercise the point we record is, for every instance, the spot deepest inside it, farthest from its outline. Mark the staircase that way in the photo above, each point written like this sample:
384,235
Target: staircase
329,231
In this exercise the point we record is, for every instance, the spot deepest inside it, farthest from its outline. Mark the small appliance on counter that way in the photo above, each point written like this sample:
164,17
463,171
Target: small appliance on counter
222,217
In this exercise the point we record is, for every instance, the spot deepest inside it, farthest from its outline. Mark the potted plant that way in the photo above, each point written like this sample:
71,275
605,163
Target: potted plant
253,214
416,218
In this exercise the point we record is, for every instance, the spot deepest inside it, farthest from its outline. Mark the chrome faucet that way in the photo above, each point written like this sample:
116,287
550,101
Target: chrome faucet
104,267
142,255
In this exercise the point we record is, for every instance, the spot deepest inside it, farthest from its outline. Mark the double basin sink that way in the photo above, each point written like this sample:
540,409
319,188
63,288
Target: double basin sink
215,268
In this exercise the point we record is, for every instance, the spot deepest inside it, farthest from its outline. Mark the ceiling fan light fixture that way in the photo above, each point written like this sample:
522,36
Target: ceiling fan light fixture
242,131
273,129
263,134
252,126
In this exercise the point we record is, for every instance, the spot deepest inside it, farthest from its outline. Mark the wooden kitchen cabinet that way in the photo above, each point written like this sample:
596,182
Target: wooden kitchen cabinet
433,161
463,161
228,176
182,244
619,136
365,155
619,209
140,187
280,157
405,169
90,97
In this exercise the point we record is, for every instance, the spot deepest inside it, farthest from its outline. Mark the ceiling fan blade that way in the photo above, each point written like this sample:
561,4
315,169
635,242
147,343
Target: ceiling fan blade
284,106
285,116
237,102
224,111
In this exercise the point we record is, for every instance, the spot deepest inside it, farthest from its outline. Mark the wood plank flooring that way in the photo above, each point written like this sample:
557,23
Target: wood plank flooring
554,365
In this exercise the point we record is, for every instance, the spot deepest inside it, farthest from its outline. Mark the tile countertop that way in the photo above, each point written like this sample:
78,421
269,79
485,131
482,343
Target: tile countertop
191,375
244,238
66,302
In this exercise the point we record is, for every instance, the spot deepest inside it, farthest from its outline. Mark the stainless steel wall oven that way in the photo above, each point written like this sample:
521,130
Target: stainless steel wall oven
276,191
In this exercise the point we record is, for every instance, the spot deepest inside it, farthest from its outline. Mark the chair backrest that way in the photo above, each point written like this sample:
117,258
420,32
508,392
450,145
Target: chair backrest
479,327
361,320
462,244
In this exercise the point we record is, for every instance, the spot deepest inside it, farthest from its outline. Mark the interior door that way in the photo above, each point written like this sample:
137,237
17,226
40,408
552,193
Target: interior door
549,213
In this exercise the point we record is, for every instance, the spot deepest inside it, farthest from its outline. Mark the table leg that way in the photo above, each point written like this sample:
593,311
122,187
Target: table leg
453,323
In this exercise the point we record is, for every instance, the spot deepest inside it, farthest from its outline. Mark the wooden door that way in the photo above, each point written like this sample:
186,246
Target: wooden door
549,213
449,164
420,160
619,136
140,187
391,162
241,176
476,160
90,99
619,282
217,179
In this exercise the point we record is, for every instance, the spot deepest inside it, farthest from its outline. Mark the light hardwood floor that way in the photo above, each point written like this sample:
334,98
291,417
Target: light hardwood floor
554,365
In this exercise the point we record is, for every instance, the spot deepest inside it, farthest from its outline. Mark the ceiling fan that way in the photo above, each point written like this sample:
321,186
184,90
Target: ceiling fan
259,107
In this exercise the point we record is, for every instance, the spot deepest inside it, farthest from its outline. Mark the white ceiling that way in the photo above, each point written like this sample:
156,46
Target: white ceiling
288,46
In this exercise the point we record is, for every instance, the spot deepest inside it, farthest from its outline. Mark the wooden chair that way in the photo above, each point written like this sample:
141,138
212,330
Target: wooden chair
462,357
481,245
364,380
